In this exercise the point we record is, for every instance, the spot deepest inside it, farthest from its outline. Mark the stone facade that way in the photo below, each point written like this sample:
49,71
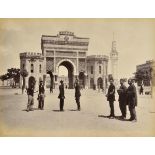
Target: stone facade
34,64
97,68
147,68
66,49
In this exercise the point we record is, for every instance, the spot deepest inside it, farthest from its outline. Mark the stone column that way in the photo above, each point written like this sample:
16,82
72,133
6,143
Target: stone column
56,81
44,80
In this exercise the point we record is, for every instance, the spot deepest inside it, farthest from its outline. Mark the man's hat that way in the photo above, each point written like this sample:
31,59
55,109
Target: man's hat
131,80
61,81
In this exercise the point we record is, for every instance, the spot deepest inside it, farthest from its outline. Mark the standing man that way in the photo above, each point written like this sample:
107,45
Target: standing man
30,93
51,88
77,95
61,95
132,100
141,90
122,98
41,96
111,98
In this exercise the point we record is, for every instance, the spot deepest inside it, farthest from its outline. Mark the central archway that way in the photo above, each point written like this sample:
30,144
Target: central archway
70,67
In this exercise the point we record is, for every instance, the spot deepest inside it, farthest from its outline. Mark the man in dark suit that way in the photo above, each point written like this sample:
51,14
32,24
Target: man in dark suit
61,95
111,98
41,96
132,100
122,98
77,94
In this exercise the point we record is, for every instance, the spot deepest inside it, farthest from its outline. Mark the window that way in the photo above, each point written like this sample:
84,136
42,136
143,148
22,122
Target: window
99,69
91,69
23,66
40,68
32,68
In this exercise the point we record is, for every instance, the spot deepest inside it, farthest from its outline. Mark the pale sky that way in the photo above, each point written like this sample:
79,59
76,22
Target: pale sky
135,39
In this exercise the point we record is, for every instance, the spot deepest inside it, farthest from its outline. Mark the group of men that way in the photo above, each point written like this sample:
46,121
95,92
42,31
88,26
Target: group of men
127,96
41,96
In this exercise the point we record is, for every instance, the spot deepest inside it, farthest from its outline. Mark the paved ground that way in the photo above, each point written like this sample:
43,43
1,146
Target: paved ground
15,121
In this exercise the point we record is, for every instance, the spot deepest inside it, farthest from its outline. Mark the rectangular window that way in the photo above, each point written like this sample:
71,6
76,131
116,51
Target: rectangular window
91,69
32,68
23,66
39,68
99,69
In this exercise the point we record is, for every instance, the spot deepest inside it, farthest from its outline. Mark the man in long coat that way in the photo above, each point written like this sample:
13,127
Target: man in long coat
111,98
132,100
77,94
30,93
122,92
61,95
41,96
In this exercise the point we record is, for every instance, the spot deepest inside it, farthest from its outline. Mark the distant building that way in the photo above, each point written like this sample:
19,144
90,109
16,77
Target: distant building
148,70
97,69
33,63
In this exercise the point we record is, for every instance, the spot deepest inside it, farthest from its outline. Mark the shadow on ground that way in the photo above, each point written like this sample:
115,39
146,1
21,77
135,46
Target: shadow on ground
116,117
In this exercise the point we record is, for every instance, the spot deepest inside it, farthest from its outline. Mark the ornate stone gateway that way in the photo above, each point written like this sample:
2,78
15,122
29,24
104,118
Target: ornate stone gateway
67,50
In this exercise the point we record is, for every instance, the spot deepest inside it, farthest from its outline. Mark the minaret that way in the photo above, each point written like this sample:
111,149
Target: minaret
114,61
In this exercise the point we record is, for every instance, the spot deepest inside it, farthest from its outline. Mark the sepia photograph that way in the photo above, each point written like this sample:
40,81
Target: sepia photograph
77,77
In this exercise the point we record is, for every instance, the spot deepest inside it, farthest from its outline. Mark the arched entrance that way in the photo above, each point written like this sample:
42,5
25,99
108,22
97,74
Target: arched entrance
92,83
82,79
31,81
51,83
70,69
100,83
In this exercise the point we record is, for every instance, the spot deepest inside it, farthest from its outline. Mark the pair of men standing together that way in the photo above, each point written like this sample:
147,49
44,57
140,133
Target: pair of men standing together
127,96
41,96
62,95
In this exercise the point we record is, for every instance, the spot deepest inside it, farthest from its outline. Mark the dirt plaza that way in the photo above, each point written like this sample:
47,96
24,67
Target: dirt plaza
90,121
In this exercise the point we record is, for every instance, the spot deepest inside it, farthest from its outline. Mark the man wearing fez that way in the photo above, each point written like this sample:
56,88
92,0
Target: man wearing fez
77,94
111,98
132,100
41,96
61,95
122,98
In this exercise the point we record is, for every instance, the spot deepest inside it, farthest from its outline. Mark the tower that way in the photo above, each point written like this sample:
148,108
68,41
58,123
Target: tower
33,64
114,62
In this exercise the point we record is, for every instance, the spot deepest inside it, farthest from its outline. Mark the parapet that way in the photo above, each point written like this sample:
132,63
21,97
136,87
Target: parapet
98,57
31,55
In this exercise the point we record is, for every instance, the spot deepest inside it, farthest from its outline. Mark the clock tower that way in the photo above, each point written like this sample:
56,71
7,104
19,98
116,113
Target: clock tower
114,62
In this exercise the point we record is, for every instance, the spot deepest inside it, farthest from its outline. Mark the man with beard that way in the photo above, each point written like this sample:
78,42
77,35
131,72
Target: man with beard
132,100
122,98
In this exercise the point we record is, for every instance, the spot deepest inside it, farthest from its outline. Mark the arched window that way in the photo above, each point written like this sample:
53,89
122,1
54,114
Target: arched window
40,68
99,69
23,66
32,68
91,69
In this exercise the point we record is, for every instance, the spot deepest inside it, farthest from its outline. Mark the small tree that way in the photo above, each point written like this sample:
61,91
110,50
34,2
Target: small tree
24,74
14,73
3,78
